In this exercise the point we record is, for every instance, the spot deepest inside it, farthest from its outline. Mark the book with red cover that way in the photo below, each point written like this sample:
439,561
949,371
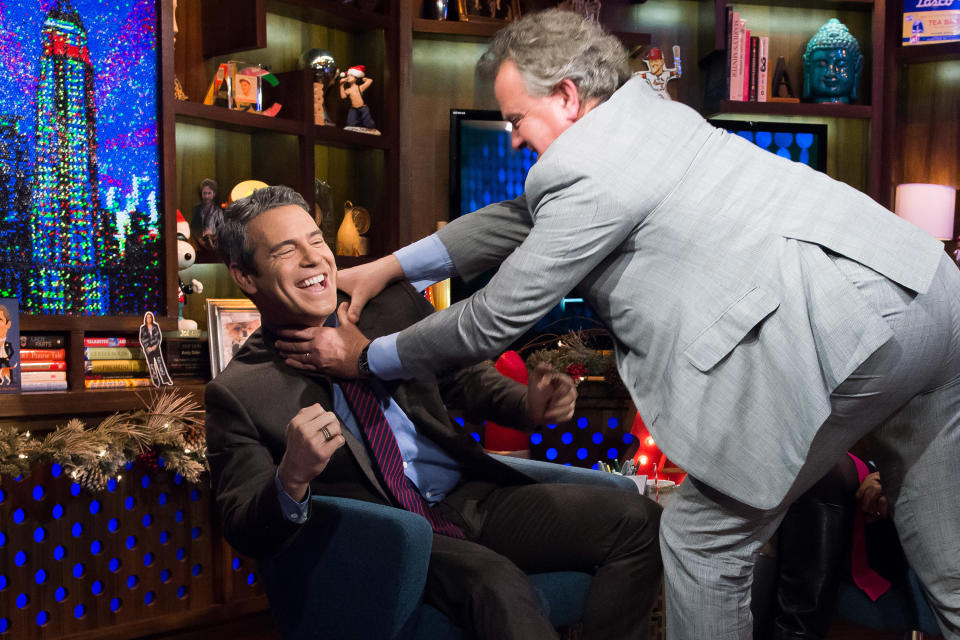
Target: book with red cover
43,354
754,67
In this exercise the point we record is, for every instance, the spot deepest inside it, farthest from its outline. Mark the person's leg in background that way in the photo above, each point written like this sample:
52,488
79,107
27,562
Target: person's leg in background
813,542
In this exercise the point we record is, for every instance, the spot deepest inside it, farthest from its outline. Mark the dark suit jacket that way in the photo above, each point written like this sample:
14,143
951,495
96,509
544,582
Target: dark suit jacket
250,403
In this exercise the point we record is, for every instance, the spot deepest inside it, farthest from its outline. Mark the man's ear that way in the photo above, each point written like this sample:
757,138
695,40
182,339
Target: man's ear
243,279
569,95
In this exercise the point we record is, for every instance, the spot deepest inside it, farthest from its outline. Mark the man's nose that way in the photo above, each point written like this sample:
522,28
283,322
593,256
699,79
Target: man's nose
515,140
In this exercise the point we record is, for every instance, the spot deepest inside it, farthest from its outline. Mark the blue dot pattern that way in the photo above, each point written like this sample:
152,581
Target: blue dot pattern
72,546
581,441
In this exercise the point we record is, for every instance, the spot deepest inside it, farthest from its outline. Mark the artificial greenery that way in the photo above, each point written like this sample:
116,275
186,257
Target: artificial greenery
169,427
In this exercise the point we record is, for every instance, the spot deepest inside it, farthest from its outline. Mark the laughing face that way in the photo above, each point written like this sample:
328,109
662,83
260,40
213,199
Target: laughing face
295,278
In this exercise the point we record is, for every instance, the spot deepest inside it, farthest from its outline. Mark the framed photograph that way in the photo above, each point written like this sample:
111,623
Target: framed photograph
488,10
230,321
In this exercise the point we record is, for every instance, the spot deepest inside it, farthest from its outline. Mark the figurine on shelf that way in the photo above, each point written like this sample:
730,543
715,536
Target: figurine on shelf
324,74
203,223
150,338
353,83
832,64
350,241
186,256
658,76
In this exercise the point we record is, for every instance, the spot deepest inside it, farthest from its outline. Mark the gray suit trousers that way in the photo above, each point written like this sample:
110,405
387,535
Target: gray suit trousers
907,397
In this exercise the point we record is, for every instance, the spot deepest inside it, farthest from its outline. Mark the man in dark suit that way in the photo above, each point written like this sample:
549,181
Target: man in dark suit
277,434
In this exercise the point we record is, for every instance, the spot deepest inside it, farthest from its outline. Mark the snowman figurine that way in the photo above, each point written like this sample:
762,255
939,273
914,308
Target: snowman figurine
186,256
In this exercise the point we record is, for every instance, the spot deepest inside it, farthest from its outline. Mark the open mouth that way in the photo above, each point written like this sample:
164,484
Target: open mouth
318,282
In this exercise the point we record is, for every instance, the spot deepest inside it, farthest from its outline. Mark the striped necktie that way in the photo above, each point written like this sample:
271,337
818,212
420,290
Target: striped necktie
386,453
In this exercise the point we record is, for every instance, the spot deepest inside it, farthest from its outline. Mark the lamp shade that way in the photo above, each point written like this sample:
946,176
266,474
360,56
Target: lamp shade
929,206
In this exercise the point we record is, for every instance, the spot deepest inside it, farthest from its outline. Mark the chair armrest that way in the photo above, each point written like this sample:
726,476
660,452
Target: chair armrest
552,472
356,569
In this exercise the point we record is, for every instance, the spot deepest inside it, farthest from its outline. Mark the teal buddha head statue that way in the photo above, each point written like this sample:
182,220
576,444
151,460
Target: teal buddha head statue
832,64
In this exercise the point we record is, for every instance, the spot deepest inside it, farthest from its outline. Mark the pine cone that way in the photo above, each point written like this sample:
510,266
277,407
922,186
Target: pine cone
194,439
91,478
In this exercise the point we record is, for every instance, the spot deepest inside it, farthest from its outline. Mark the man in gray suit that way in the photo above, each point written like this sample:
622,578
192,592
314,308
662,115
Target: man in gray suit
765,316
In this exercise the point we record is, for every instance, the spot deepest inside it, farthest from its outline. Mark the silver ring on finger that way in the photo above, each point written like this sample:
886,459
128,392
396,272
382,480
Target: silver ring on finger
326,434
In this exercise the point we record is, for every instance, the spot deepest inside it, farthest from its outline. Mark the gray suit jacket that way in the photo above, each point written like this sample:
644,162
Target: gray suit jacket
707,259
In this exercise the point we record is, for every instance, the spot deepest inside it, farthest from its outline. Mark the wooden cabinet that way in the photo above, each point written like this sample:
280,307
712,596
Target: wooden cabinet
921,124
855,131
231,146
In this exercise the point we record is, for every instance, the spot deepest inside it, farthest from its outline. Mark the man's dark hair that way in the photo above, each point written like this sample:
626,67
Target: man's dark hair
232,231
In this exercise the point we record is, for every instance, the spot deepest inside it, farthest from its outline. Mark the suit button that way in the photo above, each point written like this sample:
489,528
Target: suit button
404,464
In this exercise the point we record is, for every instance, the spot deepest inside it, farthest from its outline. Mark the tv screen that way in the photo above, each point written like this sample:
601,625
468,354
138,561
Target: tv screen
800,142
485,168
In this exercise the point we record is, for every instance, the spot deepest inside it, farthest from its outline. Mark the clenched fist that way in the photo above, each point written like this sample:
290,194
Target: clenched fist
312,438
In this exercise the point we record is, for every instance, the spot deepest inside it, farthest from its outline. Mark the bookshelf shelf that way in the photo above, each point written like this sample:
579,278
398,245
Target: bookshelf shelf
804,109
77,402
456,28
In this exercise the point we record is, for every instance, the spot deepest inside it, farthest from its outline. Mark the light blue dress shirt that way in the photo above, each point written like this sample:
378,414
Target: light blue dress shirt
424,262
428,467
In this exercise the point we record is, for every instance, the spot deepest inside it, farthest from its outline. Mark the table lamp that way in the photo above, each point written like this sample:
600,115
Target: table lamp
929,206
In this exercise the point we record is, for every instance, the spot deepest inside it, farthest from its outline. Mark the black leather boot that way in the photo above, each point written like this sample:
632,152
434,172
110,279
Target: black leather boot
814,542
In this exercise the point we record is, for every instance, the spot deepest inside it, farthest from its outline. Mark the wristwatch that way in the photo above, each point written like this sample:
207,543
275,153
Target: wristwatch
362,365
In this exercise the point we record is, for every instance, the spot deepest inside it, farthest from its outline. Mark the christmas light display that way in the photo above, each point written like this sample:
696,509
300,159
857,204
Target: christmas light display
79,170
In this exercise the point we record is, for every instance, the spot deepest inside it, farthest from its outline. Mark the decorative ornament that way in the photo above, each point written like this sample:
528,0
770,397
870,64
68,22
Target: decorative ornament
170,425
324,74
832,63
353,83
656,74
356,221
186,256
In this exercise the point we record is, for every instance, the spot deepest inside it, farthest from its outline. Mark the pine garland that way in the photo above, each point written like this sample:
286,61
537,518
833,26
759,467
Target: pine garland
574,354
169,427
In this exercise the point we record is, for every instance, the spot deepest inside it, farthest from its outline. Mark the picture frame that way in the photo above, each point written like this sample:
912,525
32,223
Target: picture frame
230,321
488,10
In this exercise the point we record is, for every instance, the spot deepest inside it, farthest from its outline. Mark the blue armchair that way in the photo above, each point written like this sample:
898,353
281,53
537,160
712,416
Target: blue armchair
360,570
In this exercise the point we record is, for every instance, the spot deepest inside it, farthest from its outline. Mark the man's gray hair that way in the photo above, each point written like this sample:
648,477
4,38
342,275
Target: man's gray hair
232,231
551,45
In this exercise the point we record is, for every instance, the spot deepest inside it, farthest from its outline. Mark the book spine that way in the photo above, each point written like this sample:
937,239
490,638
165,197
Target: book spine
746,64
43,365
113,353
111,374
43,354
50,385
106,366
43,376
762,69
41,341
110,342
117,383
736,51
729,36
754,67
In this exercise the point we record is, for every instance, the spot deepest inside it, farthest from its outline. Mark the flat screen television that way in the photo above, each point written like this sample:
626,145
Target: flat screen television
797,141
485,168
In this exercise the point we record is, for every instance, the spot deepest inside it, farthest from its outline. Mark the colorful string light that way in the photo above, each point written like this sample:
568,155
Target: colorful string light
79,221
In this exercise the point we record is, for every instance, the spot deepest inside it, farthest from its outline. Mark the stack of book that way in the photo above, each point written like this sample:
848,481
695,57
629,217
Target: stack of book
747,61
43,362
113,363
187,357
